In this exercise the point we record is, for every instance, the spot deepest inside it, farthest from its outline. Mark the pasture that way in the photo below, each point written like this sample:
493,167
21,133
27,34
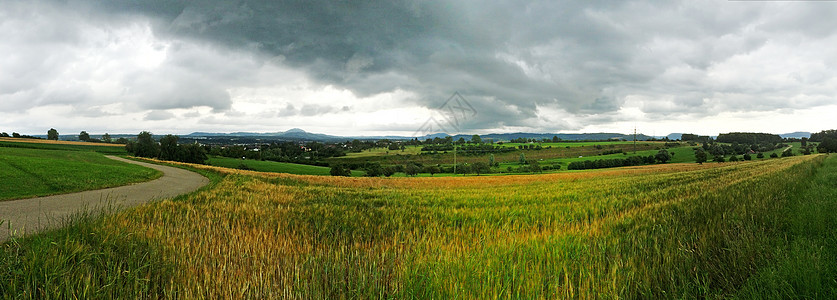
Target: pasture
745,229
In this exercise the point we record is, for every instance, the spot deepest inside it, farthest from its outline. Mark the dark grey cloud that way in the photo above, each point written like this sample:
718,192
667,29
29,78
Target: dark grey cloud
510,59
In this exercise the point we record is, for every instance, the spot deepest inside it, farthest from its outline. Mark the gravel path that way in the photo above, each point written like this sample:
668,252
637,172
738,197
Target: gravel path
27,216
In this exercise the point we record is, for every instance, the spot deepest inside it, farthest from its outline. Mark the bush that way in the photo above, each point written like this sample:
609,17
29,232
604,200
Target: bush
340,170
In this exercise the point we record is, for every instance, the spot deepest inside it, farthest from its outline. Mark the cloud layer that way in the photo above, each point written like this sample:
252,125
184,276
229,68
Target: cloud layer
382,66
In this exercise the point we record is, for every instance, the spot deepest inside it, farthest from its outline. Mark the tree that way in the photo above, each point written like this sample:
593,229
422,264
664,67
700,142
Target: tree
432,170
15,135
192,153
145,145
83,136
534,167
411,169
774,155
340,170
52,134
662,156
106,138
787,152
747,156
828,145
760,155
480,168
491,160
374,170
719,158
700,156
168,147
522,159
476,139
733,158
389,171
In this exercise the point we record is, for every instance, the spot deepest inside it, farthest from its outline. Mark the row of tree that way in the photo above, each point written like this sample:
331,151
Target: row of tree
166,149
662,157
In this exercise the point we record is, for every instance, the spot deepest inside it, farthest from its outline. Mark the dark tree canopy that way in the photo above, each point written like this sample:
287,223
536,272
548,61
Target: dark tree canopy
828,145
145,145
84,136
700,156
52,134
662,156
749,138
340,170
820,136
168,147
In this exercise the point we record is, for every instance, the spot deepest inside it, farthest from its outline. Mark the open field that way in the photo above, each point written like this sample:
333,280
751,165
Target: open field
749,229
384,151
396,157
36,172
112,149
272,166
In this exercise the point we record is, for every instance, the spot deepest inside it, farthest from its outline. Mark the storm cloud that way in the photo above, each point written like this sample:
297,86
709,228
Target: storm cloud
528,65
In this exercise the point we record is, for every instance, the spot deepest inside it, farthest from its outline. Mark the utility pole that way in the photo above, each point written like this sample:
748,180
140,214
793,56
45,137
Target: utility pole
454,159
634,138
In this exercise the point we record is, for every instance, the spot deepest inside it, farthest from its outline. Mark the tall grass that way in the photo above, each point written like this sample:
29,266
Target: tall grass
744,230
86,259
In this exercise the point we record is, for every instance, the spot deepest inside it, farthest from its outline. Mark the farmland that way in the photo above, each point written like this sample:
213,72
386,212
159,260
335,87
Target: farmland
28,172
111,149
672,230
271,166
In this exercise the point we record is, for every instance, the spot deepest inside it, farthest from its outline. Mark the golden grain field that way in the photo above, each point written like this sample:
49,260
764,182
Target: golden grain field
571,234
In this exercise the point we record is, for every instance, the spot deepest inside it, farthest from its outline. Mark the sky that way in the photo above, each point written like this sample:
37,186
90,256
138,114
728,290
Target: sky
389,67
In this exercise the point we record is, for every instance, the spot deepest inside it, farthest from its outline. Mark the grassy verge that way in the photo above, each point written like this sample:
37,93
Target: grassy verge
87,258
30,172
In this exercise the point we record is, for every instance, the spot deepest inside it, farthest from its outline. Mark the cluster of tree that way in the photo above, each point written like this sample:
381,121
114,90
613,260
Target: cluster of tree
19,136
827,140
716,149
532,167
662,157
688,137
529,147
615,151
820,136
749,138
166,149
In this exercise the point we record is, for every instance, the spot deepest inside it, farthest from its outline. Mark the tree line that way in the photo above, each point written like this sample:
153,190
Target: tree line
166,149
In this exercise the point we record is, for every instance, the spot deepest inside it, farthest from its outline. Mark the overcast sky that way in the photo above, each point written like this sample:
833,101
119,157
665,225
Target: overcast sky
384,67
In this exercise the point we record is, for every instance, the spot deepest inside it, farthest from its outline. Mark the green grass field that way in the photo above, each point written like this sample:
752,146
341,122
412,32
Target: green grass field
384,152
65,146
28,172
272,166
759,229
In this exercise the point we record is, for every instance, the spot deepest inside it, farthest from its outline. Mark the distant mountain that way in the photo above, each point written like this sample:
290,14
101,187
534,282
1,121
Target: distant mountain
674,136
796,135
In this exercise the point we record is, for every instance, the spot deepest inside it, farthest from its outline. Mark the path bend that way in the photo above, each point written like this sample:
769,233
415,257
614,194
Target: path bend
28,216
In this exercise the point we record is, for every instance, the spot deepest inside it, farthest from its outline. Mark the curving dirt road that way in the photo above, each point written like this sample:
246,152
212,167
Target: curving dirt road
27,216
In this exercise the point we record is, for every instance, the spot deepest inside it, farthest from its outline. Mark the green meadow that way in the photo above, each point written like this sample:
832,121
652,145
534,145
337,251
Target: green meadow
30,172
